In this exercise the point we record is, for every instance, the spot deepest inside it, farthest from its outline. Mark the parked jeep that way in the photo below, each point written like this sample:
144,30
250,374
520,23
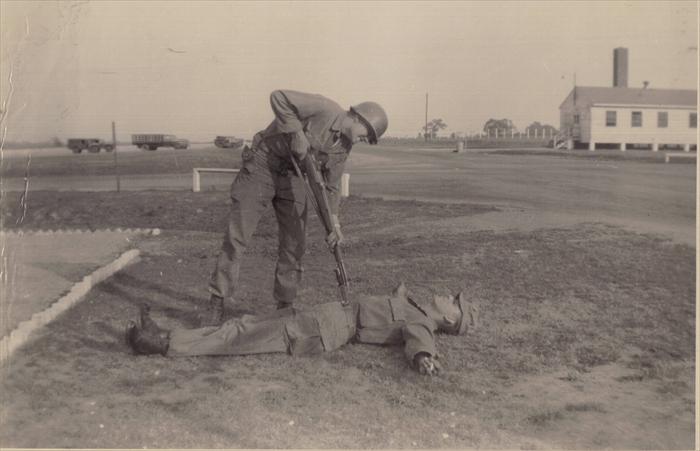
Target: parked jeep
228,142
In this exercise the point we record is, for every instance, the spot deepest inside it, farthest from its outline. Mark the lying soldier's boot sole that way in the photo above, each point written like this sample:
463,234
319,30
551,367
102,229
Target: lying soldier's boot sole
130,333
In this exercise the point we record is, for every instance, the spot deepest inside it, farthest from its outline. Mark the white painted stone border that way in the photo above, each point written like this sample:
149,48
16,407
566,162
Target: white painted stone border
20,335
13,232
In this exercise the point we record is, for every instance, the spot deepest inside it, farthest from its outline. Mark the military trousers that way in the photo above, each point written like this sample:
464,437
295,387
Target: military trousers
322,328
264,179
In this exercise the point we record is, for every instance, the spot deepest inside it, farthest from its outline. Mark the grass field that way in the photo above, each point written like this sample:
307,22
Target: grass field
587,337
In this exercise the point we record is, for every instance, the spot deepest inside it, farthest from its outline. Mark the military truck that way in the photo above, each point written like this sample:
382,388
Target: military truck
152,141
228,142
93,145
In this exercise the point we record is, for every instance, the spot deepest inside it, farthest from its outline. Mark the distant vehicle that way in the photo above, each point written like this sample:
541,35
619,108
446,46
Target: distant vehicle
93,145
228,142
154,141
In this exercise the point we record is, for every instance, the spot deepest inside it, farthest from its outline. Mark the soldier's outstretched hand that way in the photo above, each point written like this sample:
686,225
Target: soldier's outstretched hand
334,238
427,365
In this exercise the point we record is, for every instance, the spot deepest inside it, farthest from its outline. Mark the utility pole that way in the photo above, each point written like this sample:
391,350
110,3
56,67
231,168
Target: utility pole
425,134
116,162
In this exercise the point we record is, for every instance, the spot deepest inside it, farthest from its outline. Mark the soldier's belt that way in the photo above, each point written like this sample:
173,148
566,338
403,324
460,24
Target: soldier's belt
267,158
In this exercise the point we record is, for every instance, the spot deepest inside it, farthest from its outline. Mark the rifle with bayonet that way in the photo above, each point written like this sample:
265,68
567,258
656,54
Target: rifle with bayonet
318,197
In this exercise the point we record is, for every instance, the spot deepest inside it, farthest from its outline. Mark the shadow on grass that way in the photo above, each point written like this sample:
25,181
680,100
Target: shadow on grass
163,298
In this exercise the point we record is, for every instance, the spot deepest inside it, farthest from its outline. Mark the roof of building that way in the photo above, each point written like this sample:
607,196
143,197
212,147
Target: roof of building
591,95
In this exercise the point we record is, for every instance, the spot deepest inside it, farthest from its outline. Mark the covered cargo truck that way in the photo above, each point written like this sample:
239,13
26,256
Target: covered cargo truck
93,145
152,141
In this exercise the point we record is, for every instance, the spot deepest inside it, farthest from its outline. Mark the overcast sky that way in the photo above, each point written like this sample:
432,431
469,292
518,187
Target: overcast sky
204,69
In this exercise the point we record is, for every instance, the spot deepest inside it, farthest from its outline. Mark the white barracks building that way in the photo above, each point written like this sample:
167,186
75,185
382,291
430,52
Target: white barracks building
623,116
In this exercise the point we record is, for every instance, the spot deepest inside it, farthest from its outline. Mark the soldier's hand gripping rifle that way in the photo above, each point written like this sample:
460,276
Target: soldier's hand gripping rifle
318,197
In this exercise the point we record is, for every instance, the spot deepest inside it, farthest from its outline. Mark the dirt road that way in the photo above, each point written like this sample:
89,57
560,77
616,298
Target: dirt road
540,191
533,191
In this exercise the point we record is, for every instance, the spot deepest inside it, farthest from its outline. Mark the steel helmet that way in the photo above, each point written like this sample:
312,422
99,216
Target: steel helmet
373,117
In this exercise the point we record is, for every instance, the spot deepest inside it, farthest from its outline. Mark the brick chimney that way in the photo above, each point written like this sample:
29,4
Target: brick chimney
620,67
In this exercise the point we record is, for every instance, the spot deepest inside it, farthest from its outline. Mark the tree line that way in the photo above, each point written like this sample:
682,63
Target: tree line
491,126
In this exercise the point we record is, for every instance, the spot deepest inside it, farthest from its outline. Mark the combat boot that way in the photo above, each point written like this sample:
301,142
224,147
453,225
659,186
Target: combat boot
284,305
147,338
214,313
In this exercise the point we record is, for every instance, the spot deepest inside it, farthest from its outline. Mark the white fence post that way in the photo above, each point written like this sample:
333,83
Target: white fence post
195,180
345,185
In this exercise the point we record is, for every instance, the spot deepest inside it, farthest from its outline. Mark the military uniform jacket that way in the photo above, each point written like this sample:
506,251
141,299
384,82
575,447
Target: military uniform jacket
395,320
374,320
319,118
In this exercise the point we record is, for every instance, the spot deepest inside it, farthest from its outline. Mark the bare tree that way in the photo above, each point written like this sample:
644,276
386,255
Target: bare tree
432,128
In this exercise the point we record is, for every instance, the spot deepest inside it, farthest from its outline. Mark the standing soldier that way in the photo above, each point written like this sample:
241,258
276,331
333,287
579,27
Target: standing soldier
304,123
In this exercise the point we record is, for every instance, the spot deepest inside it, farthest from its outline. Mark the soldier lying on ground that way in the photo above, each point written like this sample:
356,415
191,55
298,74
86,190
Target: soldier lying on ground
380,320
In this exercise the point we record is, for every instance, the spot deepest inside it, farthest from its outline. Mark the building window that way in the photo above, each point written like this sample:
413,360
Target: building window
577,119
662,119
636,118
693,120
611,118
